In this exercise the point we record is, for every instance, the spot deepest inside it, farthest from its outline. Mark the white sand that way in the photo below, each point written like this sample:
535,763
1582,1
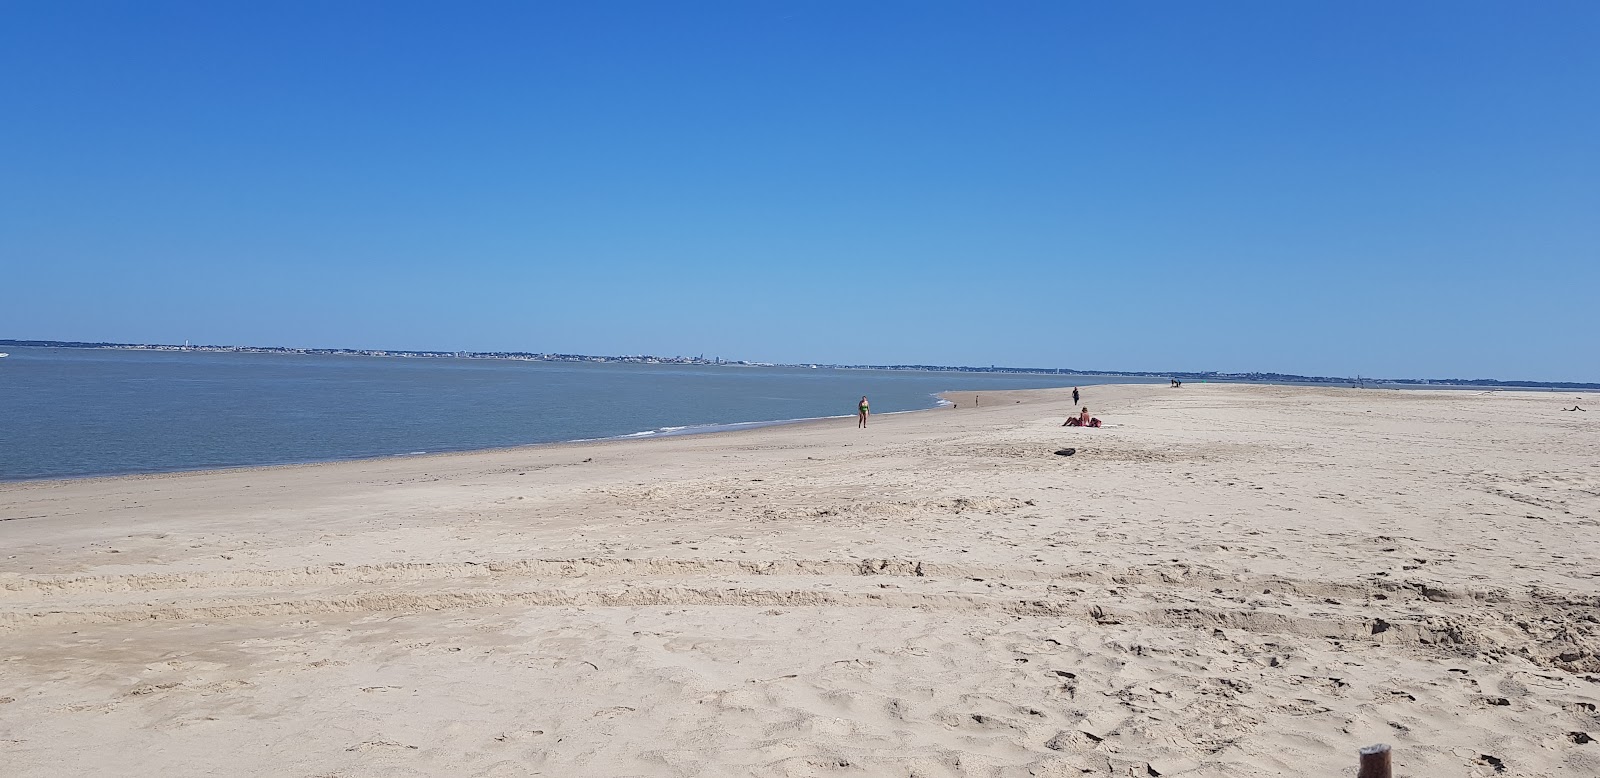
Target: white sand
1230,581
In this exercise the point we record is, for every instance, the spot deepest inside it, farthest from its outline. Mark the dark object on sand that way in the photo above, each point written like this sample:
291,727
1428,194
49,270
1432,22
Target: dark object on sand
1574,408
1374,762
1066,452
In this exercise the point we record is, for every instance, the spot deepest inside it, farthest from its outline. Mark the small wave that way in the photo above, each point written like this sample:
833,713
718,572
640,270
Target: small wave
697,429
674,430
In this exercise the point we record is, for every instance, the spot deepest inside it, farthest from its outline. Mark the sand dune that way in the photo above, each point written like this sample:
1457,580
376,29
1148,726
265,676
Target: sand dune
1228,581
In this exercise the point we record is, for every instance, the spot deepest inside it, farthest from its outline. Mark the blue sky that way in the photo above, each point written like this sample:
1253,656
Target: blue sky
1393,189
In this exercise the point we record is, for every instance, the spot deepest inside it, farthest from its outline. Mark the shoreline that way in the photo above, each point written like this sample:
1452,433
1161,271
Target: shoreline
658,434
943,402
418,456
940,403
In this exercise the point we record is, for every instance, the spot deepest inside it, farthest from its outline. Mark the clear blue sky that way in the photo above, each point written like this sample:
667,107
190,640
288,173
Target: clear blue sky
1392,189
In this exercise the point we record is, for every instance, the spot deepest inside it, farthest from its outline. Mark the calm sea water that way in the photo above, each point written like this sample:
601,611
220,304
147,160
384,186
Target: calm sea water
81,412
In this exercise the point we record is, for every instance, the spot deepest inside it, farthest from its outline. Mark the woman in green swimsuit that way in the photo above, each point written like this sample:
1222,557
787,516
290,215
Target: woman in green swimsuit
861,412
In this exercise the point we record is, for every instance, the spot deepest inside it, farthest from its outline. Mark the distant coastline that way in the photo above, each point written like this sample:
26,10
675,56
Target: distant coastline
529,356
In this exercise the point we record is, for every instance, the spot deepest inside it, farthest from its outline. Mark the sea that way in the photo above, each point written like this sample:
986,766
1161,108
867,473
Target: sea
75,412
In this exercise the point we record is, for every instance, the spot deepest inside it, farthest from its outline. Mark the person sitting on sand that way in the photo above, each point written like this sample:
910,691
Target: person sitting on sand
861,413
1082,420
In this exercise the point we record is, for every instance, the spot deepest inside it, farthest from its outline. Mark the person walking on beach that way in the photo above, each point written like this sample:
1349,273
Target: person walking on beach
861,413
1074,395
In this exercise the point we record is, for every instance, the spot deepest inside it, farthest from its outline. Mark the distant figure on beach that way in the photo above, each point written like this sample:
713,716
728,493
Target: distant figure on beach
1176,383
861,413
1074,395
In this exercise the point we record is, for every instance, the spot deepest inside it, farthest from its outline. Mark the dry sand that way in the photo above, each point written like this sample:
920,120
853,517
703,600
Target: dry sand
1229,581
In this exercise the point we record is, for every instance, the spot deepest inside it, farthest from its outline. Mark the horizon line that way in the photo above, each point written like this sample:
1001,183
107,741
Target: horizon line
562,356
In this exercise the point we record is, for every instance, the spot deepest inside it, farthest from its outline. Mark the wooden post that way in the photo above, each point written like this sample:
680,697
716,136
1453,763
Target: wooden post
1374,762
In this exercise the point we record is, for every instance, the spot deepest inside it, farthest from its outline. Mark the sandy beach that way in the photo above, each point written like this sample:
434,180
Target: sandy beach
1225,581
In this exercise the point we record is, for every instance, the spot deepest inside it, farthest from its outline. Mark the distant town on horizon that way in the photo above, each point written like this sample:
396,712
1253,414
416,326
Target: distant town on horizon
528,356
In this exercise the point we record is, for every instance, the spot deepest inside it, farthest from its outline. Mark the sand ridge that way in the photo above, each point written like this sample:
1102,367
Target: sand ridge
1229,580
